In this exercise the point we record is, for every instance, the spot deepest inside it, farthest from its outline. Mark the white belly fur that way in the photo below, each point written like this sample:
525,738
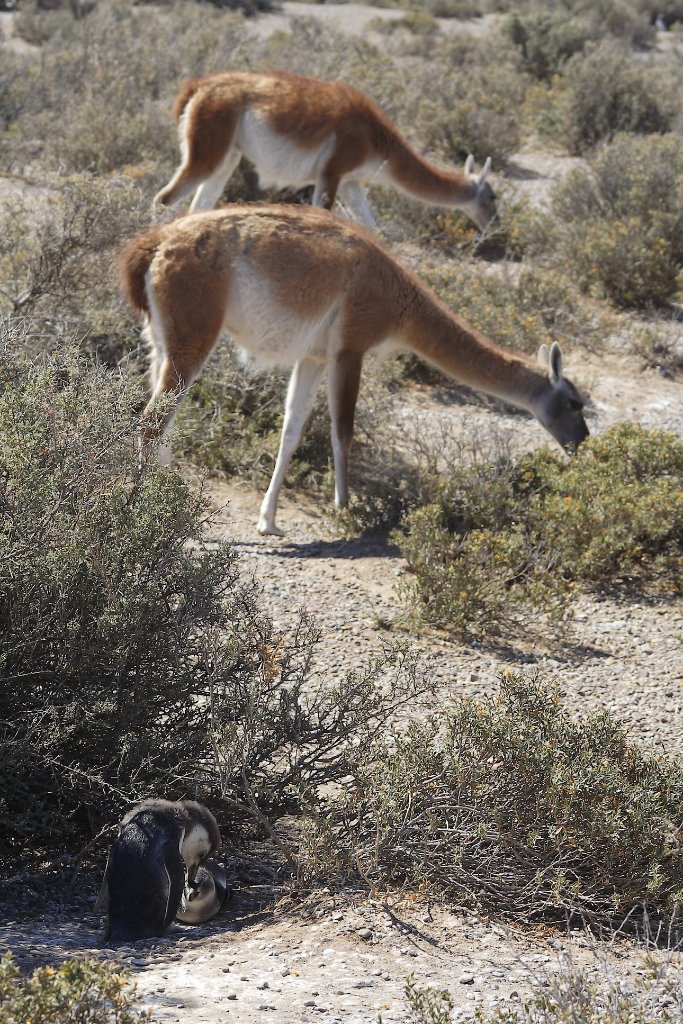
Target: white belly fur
266,332
278,160
281,163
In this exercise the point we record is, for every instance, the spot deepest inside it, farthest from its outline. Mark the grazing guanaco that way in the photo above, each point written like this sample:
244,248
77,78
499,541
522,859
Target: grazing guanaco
156,855
301,131
297,286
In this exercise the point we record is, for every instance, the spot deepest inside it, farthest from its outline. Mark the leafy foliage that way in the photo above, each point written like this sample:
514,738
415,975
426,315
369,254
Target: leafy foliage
512,540
133,661
74,992
510,805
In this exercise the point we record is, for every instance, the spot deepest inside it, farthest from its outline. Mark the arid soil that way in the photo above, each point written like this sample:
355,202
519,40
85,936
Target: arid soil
346,958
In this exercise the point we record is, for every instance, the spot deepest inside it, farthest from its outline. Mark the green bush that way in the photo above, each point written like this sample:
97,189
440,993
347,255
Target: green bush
475,111
547,39
509,805
74,992
617,226
606,93
484,557
103,607
133,661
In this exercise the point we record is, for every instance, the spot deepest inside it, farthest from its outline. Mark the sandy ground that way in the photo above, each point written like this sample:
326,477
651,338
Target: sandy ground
346,957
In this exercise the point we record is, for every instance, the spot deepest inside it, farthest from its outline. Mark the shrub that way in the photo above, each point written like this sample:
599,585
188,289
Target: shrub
598,993
616,227
547,39
509,805
74,992
518,309
133,662
477,112
483,560
57,254
625,261
103,607
231,422
102,91
608,94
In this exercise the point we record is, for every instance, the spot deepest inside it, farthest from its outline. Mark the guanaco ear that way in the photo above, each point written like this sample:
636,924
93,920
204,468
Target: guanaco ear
469,164
485,170
555,363
543,356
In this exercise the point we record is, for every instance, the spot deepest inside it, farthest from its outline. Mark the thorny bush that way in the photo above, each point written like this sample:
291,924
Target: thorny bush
133,660
594,995
504,544
509,805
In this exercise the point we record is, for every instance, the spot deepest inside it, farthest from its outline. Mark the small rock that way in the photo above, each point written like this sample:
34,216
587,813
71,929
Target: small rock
262,985
231,995
309,1002
466,979
364,933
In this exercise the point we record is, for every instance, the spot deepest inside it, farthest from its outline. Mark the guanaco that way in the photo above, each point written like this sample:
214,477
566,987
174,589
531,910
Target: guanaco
298,286
300,131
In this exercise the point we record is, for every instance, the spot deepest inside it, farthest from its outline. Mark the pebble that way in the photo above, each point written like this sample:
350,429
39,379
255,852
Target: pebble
466,979
364,933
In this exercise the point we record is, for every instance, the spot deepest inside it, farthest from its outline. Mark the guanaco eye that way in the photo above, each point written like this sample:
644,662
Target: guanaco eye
576,403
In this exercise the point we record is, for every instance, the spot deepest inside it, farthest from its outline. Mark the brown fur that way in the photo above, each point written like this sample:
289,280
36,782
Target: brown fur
307,111
134,262
294,273
187,91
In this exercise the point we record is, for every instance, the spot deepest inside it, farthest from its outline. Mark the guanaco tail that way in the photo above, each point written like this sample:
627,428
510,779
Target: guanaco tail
300,131
297,286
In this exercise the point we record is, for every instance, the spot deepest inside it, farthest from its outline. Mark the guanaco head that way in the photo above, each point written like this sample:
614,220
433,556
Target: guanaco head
482,208
560,406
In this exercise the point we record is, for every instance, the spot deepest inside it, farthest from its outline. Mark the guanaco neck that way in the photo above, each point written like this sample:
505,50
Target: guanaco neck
450,343
411,173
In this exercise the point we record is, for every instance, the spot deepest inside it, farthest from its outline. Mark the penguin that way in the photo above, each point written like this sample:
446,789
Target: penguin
151,864
206,895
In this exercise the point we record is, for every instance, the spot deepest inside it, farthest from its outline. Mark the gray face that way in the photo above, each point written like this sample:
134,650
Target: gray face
563,415
486,205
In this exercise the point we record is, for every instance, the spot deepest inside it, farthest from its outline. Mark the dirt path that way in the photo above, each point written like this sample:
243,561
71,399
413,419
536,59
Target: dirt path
346,959
341,956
